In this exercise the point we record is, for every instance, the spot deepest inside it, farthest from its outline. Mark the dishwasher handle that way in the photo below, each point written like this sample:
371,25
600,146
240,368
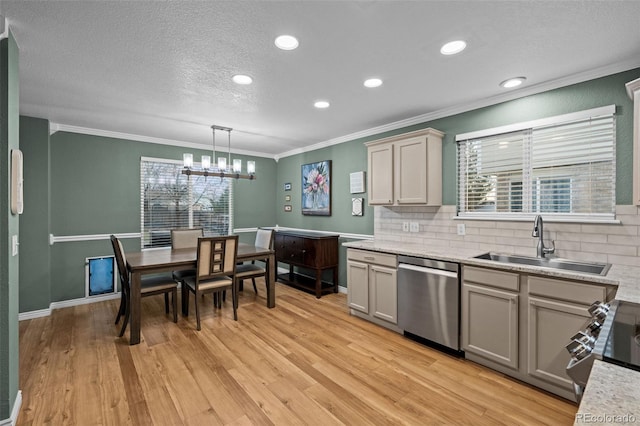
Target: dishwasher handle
430,271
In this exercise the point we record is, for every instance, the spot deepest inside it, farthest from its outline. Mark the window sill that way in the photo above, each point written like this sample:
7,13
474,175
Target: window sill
547,219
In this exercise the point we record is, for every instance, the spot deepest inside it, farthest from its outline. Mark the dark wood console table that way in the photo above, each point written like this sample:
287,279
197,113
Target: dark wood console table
312,250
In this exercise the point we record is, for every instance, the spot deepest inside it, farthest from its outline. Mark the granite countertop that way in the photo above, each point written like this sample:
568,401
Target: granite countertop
612,392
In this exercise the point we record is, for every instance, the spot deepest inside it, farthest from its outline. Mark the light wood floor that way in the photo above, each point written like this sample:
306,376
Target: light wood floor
305,362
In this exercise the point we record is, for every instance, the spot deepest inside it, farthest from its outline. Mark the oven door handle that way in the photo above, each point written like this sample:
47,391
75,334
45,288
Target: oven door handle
430,271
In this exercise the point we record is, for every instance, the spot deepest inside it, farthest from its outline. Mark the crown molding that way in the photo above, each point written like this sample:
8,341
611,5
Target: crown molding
59,127
458,109
4,27
633,87
419,119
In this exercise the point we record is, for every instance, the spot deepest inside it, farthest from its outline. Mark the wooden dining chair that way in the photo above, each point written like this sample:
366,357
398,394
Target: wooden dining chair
149,286
182,238
264,239
216,266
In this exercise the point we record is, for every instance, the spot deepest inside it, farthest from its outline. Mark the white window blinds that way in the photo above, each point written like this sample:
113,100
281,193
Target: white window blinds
169,199
561,166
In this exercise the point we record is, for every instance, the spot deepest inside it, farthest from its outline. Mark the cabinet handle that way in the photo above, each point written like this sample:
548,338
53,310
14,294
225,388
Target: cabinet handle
369,258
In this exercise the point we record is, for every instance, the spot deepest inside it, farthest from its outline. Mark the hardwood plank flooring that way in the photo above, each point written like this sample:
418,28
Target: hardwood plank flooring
307,361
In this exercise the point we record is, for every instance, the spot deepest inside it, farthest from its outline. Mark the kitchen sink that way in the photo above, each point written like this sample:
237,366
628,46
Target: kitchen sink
554,263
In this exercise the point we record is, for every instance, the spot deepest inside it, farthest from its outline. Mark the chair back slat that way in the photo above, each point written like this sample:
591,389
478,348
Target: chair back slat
216,256
264,238
185,238
121,260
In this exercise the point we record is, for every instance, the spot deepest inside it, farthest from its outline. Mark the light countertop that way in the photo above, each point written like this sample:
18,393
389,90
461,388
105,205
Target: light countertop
613,392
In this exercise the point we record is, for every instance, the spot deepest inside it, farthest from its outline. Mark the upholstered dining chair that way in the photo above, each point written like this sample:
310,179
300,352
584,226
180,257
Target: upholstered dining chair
244,271
216,266
149,286
182,238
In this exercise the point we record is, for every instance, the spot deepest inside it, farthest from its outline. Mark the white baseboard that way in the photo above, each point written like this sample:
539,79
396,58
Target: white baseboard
66,304
95,299
11,421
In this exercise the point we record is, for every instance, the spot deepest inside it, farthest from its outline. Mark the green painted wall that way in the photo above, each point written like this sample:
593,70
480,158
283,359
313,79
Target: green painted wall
577,97
94,181
35,278
351,156
95,189
9,226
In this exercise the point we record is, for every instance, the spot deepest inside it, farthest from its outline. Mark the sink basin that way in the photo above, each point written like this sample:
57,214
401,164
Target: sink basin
554,263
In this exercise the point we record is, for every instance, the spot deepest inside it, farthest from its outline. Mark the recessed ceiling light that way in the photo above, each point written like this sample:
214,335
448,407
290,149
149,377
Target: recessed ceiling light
286,42
321,104
242,79
513,82
453,47
373,82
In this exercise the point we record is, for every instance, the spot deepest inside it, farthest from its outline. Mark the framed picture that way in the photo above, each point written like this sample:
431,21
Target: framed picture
287,186
287,197
287,207
316,188
356,206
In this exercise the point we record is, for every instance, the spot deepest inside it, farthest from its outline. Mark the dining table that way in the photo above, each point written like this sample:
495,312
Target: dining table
153,261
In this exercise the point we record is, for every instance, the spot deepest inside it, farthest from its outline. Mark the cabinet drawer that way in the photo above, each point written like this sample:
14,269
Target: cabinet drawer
491,277
567,290
373,257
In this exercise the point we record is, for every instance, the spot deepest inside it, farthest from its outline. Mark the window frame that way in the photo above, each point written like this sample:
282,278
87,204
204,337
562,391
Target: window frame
191,209
529,214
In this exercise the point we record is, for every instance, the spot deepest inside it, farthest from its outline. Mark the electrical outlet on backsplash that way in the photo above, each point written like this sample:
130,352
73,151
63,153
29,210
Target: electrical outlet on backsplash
611,243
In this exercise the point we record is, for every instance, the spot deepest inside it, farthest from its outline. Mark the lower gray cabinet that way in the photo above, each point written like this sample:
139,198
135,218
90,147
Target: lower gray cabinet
519,324
490,323
372,286
551,324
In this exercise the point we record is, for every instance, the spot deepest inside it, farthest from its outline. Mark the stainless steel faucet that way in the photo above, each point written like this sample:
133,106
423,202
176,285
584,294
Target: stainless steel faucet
538,232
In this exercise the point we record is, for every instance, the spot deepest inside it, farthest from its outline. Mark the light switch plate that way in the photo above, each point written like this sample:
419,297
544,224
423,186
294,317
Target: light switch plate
14,245
405,226
461,229
414,227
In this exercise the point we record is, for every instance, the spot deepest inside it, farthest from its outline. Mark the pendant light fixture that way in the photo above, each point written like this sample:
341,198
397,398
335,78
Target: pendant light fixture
225,167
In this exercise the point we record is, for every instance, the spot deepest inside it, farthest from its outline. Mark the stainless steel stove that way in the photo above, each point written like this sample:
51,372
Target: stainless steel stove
619,341
612,335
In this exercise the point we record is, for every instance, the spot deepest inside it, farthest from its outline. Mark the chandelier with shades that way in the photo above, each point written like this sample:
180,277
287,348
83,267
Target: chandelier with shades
225,168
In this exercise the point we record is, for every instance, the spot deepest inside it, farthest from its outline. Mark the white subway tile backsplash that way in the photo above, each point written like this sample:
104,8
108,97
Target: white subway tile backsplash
590,242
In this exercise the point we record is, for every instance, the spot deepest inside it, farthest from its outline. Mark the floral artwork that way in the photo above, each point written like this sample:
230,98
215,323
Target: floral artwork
316,188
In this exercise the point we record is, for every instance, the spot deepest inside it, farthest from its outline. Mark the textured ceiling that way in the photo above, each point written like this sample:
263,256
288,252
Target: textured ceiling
163,69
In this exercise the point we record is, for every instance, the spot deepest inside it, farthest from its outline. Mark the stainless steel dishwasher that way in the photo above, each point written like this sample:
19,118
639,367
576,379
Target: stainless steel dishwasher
429,300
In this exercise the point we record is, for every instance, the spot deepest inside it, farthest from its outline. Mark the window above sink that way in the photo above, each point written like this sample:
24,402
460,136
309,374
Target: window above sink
561,166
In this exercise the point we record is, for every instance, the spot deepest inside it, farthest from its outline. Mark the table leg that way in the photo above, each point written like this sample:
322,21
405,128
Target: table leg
134,307
335,279
318,283
271,281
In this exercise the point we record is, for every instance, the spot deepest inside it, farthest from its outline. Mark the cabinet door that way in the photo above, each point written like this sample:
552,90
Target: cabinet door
551,324
411,171
358,286
490,324
384,285
380,174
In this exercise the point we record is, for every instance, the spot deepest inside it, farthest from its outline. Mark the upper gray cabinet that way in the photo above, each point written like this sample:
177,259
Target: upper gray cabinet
633,89
406,169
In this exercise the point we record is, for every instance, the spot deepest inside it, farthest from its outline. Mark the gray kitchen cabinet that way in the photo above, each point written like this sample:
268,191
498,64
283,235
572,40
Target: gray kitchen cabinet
372,286
406,169
557,309
490,315
551,324
633,90
526,339
358,285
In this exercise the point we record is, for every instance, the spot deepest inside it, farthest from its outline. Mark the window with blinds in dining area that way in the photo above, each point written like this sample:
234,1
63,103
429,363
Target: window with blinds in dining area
170,199
562,167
